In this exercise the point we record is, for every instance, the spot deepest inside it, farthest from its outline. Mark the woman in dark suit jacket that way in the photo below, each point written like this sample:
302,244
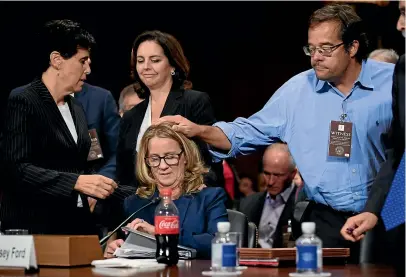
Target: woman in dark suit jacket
161,70
46,141
169,160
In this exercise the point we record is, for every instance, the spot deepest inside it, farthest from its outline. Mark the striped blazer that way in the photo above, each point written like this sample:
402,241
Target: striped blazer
42,163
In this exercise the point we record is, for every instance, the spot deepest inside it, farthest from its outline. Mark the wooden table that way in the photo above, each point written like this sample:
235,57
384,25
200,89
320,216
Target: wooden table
195,267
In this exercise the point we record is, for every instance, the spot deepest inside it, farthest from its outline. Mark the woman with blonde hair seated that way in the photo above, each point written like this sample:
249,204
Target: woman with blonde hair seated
168,159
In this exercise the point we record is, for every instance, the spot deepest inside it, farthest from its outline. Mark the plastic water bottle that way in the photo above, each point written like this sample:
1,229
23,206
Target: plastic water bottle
223,250
309,250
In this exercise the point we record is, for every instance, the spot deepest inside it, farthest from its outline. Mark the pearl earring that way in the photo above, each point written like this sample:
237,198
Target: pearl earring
173,72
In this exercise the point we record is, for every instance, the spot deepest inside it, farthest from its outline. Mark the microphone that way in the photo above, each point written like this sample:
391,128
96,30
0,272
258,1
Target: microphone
106,238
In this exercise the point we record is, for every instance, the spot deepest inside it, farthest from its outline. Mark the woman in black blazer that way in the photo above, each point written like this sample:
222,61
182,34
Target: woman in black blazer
45,145
161,72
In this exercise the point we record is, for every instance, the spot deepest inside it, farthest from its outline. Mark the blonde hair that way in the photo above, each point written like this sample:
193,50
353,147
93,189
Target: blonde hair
194,167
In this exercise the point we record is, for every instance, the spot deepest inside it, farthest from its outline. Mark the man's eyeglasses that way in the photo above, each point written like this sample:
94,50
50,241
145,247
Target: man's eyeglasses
324,50
170,159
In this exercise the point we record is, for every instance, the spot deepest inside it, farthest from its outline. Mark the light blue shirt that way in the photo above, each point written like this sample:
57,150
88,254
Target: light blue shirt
300,112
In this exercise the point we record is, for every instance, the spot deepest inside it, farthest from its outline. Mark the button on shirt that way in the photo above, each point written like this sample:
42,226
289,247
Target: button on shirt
300,112
271,213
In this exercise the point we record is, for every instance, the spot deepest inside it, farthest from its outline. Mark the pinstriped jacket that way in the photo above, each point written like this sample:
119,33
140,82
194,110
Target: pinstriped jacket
42,163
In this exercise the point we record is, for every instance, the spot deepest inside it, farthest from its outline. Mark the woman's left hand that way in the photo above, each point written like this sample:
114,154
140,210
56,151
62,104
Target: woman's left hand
143,226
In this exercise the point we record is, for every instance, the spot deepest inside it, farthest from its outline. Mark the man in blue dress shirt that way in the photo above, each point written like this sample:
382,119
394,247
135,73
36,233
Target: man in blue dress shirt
331,116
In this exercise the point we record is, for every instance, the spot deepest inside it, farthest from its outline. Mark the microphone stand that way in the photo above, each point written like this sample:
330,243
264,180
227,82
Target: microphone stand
106,238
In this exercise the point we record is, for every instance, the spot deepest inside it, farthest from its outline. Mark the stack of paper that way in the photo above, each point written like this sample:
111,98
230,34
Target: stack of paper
118,267
133,263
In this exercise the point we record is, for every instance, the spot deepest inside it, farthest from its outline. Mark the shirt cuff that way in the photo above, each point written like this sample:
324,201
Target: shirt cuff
229,131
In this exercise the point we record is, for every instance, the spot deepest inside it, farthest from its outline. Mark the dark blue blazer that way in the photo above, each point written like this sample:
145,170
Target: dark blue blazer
198,216
101,114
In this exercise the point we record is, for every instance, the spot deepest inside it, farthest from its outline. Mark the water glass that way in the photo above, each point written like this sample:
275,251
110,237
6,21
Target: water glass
236,237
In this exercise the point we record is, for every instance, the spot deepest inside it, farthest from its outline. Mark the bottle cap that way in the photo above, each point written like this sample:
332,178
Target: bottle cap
223,227
166,192
308,227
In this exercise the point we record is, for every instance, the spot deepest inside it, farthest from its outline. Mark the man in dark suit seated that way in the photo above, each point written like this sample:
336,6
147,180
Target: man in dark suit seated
270,210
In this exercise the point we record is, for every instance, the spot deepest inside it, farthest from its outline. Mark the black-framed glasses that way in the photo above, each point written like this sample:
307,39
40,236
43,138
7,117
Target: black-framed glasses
170,159
324,50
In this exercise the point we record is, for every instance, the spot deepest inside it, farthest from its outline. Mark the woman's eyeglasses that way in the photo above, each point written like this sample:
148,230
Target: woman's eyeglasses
170,159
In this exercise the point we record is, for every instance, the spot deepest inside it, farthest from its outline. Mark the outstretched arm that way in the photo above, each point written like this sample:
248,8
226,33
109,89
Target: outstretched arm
209,134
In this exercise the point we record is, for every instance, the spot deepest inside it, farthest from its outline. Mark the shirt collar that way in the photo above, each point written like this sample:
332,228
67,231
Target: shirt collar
364,79
320,84
285,194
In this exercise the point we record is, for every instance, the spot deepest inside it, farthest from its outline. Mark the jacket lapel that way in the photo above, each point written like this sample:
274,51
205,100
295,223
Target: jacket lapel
183,206
259,207
283,220
79,120
53,111
138,117
173,104
287,211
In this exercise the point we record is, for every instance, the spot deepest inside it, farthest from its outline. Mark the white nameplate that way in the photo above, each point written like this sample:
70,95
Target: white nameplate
17,251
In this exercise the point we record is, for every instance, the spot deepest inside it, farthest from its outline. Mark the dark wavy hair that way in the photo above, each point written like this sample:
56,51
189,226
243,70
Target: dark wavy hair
172,50
64,36
351,26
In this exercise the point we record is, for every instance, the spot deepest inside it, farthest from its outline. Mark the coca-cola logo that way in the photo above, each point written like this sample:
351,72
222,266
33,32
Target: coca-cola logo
166,225
173,224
